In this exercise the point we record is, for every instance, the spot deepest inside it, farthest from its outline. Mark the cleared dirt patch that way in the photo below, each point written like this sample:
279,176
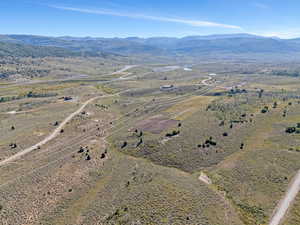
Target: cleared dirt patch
156,124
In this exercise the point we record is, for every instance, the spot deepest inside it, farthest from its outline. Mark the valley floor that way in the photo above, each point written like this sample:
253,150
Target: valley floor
118,148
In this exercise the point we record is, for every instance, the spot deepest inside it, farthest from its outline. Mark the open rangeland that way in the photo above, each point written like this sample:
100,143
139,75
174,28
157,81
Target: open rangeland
113,142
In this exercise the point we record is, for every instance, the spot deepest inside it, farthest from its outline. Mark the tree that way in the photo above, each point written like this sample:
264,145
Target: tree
13,145
209,142
265,109
81,150
260,93
139,143
222,123
242,146
124,144
29,94
174,133
290,130
284,113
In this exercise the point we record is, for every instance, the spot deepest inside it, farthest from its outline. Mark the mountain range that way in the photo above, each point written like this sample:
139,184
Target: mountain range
194,46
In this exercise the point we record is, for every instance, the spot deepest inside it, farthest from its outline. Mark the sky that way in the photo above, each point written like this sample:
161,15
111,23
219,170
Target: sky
131,18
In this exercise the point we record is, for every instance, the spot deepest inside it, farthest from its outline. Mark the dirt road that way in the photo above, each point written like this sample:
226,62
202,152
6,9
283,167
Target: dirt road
204,82
286,202
124,69
54,134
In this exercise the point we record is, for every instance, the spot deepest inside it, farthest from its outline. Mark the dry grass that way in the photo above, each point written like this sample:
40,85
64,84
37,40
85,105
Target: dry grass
188,107
156,182
265,164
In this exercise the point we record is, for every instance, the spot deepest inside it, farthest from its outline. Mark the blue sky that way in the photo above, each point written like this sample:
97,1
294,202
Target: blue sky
127,18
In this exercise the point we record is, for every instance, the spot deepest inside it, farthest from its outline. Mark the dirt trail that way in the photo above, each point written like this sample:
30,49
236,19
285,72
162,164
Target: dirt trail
204,178
124,69
19,112
204,82
54,134
287,201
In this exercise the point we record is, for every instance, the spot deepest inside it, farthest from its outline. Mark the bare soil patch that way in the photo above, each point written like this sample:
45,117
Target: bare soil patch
156,124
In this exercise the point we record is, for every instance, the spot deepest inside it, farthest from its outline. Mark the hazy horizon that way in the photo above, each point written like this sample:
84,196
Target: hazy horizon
147,37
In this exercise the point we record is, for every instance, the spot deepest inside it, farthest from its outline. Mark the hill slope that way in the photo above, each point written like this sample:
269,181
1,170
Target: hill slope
20,50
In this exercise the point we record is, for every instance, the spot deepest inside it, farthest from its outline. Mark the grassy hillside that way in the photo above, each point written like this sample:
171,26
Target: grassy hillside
20,50
216,45
140,156
91,45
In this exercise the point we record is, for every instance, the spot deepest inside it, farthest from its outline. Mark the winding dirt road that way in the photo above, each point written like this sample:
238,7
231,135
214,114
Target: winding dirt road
54,134
287,201
57,131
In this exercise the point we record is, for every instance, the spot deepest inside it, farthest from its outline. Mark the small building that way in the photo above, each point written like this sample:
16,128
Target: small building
168,87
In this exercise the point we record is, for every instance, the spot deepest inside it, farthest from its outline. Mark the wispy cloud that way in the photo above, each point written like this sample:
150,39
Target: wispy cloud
195,23
261,5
